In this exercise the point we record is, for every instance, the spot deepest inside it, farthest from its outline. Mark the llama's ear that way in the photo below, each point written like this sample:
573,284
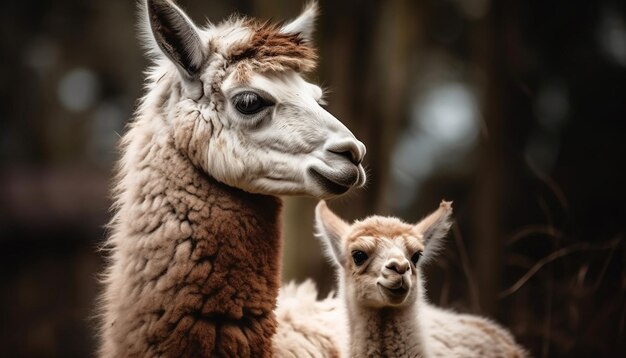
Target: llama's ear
303,25
331,230
435,226
176,35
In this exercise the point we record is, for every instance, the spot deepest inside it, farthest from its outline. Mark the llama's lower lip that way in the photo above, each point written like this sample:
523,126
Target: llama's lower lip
398,292
332,185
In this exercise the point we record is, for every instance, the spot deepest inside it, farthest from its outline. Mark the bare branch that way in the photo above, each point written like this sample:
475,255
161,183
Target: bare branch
471,280
556,255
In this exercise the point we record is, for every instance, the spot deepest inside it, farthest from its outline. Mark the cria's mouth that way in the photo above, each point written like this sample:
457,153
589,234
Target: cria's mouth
397,292
400,291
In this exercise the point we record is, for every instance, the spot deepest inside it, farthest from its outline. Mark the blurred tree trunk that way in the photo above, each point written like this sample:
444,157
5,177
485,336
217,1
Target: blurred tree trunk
487,229
506,120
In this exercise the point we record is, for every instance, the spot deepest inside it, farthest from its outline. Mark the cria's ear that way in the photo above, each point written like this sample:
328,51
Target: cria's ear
331,230
176,36
303,25
435,226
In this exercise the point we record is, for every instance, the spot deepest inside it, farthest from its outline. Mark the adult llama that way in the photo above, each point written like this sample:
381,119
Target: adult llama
226,126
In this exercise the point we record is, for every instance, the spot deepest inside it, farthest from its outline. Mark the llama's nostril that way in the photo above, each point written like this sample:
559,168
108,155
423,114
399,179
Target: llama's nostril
349,155
348,150
398,267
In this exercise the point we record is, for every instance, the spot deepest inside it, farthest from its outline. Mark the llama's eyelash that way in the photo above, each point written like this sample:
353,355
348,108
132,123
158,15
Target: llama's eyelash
322,98
249,97
251,106
319,95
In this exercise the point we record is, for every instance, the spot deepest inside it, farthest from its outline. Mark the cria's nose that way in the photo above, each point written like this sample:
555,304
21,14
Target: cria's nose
397,266
353,150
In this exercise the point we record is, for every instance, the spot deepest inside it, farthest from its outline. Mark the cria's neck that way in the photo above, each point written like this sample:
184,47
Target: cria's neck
386,332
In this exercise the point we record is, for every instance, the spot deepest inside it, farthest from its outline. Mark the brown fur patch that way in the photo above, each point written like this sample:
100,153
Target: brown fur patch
205,261
271,50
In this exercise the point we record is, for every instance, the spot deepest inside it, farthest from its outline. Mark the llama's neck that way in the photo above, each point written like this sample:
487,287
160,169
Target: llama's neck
195,266
386,332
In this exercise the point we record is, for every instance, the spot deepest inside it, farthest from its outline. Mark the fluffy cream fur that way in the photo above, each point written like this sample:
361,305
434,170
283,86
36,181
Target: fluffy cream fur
448,333
308,327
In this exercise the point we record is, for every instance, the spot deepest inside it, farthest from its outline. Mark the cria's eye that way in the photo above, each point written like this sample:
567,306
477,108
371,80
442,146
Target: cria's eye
416,257
359,257
250,103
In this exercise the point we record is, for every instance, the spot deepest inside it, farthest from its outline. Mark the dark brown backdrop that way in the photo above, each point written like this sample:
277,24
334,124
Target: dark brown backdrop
513,109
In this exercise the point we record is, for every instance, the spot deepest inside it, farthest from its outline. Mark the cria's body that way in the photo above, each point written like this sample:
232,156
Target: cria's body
379,263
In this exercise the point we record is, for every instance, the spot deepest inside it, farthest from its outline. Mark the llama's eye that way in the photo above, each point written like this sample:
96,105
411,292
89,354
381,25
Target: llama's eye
416,257
359,257
250,103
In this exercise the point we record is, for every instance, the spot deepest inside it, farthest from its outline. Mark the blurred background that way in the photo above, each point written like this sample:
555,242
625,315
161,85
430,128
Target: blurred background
515,110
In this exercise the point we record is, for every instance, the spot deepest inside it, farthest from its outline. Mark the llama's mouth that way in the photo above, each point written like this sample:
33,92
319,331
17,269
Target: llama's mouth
395,294
334,185
400,291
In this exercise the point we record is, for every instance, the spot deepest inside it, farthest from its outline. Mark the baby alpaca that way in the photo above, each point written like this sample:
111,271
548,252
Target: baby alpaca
382,288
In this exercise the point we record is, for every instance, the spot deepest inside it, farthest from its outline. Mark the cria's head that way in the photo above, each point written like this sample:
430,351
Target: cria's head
234,96
380,257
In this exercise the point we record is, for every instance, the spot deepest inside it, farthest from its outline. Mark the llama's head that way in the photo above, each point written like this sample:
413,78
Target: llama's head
233,98
380,257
